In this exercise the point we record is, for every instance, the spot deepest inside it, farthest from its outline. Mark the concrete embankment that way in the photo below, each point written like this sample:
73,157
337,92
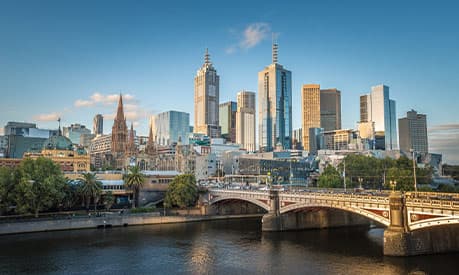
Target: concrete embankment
108,221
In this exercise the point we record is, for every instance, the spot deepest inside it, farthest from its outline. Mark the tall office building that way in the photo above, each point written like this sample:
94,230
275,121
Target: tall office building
310,99
413,132
74,132
206,99
245,120
227,119
376,107
98,125
321,109
168,127
274,106
330,109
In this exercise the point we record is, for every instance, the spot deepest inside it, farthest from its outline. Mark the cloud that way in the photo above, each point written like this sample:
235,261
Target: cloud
102,99
47,117
251,36
444,127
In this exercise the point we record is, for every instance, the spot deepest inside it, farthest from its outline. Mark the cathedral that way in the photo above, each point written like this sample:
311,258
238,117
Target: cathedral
119,137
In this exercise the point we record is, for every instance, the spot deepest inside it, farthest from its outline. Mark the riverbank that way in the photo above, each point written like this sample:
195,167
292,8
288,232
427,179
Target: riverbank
107,222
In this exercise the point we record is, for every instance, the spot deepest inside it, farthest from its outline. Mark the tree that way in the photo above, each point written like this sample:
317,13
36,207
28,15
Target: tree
182,192
109,200
90,188
330,178
8,183
134,180
40,185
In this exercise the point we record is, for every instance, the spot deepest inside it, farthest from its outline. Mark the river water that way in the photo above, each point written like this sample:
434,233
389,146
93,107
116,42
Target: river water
216,247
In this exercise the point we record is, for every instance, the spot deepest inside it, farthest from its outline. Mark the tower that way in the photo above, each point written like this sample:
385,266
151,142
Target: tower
131,149
245,120
206,99
119,136
98,125
274,105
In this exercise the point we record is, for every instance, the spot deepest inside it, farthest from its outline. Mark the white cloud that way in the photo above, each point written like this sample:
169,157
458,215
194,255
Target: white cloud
444,138
47,117
252,35
102,99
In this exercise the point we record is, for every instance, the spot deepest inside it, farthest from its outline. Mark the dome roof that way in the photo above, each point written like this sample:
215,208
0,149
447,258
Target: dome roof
58,142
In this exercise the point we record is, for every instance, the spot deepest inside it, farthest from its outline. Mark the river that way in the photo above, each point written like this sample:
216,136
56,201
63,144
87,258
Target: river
215,247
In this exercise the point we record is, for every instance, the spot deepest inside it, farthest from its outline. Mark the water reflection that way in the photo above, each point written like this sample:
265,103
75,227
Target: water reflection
220,247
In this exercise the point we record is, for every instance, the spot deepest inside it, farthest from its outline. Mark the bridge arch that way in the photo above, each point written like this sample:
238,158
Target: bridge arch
251,200
379,216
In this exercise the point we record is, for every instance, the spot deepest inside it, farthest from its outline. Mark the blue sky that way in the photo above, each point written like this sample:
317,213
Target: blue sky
67,58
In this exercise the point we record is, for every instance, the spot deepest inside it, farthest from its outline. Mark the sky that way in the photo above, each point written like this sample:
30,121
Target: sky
71,59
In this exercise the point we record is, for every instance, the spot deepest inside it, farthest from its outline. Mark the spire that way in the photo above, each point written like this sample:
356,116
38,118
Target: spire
120,111
275,49
150,136
59,133
207,58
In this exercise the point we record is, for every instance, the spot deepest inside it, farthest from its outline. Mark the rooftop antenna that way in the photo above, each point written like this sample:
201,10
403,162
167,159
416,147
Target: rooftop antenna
59,120
275,49
207,57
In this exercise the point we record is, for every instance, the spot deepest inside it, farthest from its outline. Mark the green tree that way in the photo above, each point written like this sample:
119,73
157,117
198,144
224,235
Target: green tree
90,188
134,180
182,192
330,178
109,200
403,178
8,183
40,186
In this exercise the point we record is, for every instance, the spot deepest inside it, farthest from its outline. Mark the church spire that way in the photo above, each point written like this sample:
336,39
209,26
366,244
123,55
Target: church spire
120,110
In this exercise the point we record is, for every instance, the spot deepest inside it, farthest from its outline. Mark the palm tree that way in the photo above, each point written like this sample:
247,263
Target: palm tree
134,180
90,188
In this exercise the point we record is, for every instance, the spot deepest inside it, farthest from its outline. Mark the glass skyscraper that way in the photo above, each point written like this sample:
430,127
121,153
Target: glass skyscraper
168,127
274,106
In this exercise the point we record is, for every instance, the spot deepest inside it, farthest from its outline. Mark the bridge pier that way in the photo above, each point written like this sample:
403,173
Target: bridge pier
400,241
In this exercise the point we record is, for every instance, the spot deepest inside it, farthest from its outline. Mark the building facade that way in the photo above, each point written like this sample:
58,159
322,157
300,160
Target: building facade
227,119
168,127
274,106
377,107
330,109
413,132
119,136
310,99
75,131
98,125
245,120
206,100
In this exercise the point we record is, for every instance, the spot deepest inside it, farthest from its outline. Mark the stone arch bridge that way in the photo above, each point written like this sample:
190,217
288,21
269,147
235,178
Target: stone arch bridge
416,223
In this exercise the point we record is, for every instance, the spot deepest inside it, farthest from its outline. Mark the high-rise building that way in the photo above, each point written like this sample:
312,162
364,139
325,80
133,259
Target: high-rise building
298,139
274,106
206,99
98,125
245,120
119,136
227,114
321,109
413,132
168,127
74,132
310,99
376,107
330,109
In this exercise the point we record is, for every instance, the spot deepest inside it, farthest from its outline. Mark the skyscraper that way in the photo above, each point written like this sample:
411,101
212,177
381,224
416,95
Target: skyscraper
376,107
245,120
168,127
330,109
310,99
98,125
274,106
413,132
321,109
227,114
119,136
206,100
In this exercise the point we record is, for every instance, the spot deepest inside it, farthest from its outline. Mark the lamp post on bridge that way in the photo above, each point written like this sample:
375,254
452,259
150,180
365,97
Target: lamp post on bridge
414,170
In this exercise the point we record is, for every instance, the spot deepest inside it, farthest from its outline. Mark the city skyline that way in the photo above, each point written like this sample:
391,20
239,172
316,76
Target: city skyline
77,68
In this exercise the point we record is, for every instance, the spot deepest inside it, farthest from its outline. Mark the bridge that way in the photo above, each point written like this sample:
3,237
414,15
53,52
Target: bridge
415,222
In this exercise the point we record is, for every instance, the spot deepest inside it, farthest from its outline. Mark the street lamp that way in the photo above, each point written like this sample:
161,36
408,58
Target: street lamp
414,171
393,183
360,183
